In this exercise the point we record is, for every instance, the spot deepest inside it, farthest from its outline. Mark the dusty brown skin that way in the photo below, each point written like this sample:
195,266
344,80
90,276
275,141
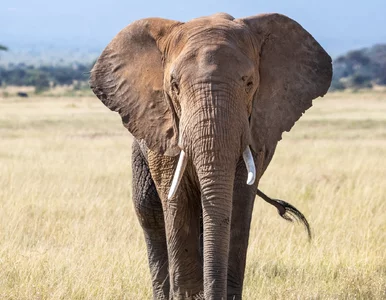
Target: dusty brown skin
211,87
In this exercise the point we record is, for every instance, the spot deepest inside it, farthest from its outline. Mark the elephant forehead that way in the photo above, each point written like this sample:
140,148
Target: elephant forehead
221,54
209,30
219,59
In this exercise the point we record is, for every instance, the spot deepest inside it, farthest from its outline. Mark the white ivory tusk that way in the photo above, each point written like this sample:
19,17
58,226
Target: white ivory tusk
250,164
178,174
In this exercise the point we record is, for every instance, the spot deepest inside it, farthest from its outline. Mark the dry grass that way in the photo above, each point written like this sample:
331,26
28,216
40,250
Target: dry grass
68,230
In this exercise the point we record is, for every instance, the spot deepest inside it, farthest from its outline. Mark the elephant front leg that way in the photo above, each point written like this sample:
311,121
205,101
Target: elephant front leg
182,226
243,199
182,220
148,208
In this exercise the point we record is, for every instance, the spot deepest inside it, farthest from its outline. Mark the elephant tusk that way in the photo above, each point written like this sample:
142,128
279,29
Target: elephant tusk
178,174
250,164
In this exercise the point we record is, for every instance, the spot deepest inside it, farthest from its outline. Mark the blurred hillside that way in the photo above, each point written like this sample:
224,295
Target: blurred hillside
46,76
47,68
360,68
47,54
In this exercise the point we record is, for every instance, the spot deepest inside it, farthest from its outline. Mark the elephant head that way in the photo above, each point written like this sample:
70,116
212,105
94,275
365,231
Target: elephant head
212,89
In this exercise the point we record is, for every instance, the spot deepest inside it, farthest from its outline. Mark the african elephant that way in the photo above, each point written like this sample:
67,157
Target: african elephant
201,98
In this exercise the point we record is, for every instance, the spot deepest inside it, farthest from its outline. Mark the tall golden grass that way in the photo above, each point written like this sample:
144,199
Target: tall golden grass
68,229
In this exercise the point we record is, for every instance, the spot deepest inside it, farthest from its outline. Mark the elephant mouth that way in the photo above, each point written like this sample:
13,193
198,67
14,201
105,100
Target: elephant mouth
183,160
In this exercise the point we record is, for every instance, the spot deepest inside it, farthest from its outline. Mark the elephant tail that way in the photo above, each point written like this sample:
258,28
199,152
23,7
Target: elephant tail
287,211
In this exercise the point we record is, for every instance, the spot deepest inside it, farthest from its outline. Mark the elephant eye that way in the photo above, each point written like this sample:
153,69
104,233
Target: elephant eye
248,81
249,86
175,88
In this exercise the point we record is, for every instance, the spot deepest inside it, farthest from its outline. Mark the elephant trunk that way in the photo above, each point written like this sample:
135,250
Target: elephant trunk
216,182
214,138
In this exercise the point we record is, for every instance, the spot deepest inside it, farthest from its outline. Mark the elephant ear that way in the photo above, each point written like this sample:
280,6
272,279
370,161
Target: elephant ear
294,69
128,79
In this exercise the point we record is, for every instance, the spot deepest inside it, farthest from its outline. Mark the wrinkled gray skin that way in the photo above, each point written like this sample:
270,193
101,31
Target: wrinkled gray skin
212,87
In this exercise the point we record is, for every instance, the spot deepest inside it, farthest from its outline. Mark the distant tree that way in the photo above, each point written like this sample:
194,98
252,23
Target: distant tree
360,68
360,81
358,57
336,85
378,53
40,81
2,48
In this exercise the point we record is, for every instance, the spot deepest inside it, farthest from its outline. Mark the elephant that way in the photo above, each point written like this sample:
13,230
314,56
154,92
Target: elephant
207,102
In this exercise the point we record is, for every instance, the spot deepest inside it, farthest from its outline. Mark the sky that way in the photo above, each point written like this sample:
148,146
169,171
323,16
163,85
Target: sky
338,25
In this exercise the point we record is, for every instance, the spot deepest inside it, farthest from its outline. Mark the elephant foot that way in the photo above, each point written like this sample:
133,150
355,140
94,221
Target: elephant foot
188,296
234,297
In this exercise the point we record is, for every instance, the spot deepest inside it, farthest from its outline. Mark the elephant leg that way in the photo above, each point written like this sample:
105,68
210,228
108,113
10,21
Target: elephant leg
182,218
243,199
182,226
148,208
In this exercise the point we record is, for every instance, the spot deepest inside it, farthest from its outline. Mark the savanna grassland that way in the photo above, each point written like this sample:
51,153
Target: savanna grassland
68,229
